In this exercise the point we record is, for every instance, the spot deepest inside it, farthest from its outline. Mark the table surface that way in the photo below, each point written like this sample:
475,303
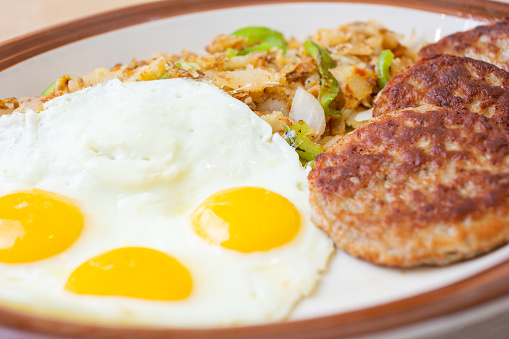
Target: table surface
24,16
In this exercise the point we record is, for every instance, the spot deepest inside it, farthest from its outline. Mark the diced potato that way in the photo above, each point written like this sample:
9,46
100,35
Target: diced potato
223,42
245,80
97,76
8,105
153,70
336,125
356,83
276,120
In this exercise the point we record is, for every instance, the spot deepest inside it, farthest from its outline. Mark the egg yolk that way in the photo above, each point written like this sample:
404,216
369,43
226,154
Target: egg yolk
36,224
246,219
135,272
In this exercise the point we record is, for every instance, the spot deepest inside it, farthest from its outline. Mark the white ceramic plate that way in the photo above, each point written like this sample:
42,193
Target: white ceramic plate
349,284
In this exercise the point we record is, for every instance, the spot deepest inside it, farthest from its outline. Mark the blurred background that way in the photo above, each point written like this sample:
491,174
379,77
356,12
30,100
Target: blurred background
24,16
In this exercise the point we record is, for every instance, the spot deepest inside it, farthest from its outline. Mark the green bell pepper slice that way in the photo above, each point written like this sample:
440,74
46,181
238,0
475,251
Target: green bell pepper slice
384,65
329,88
297,136
260,39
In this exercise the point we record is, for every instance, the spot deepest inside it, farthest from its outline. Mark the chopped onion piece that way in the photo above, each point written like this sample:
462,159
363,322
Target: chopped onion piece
332,141
364,115
307,108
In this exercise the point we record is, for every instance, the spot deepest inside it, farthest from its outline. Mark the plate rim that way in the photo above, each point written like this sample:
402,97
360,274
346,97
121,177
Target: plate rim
20,48
473,291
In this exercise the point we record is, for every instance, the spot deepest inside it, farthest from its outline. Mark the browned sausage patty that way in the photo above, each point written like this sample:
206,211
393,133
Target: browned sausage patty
449,81
487,43
425,185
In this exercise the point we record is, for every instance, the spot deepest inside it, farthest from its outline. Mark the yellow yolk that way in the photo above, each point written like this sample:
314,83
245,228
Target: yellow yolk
36,224
246,219
135,272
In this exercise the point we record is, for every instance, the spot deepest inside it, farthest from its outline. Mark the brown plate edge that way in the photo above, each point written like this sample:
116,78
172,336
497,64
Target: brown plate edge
24,47
473,291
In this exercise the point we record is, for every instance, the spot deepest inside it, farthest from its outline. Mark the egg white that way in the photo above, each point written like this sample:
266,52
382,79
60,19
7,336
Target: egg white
138,158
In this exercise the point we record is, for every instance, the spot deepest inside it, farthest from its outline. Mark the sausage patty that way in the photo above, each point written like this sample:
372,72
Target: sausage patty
487,43
449,81
426,185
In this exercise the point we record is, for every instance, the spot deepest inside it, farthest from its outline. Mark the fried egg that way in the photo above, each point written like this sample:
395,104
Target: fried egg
161,203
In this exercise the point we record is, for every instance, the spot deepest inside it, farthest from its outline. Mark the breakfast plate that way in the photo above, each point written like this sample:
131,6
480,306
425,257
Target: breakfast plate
353,297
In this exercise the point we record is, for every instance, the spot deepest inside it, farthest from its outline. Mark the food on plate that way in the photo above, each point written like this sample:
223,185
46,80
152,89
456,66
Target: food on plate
260,67
449,81
384,67
488,43
190,206
423,185
161,174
